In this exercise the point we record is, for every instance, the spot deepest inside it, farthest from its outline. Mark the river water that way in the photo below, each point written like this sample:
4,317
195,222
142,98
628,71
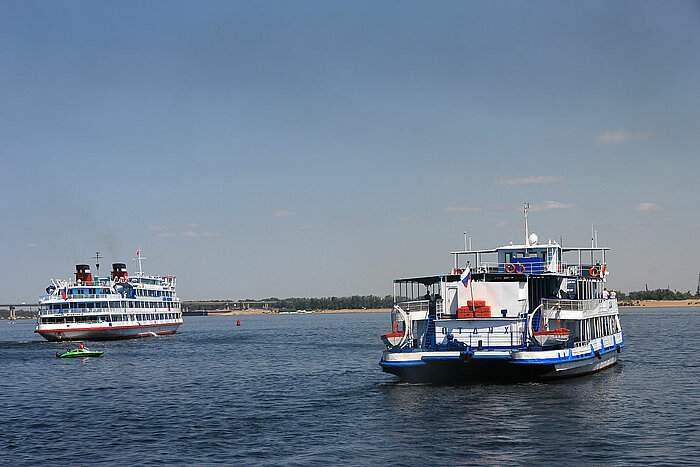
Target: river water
307,389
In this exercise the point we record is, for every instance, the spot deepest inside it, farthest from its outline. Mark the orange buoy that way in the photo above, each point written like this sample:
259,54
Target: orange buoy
238,323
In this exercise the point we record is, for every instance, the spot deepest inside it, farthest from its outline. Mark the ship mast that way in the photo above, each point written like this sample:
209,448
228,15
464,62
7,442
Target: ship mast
97,264
526,208
139,258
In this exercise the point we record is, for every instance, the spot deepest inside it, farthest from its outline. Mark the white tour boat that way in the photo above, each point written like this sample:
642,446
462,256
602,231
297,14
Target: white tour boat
115,307
517,312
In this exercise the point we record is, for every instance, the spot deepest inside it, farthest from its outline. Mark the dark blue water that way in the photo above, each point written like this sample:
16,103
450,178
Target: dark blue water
307,389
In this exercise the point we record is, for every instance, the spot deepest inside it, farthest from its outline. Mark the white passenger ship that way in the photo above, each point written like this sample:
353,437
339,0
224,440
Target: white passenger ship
115,307
517,312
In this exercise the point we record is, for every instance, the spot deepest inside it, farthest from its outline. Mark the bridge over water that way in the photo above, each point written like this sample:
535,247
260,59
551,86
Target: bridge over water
13,310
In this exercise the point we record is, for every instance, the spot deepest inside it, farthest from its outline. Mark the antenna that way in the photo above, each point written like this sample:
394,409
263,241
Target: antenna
139,258
97,263
592,240
526,207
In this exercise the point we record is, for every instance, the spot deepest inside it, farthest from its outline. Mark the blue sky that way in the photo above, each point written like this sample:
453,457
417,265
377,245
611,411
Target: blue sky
259,149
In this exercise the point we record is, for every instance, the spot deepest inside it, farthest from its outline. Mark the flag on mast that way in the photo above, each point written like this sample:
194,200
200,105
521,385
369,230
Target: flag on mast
466,276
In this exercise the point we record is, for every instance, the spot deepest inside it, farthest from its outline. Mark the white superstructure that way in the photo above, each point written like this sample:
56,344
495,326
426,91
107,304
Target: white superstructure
534,310
115,307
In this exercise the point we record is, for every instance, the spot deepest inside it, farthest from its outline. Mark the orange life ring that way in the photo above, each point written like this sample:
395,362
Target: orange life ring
458,271
520,269
593,271
510,267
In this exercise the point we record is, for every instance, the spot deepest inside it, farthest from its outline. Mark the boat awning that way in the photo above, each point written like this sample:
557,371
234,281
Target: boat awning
428,280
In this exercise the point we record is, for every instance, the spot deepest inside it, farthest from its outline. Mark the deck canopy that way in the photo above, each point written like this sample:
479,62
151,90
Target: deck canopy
413,288
428,280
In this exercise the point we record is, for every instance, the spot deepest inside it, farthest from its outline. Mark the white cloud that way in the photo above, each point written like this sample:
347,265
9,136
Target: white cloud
156,227
190,233
621,136
311,227
549,205
455,209
633,227
283,213
528,180
30,245
648,207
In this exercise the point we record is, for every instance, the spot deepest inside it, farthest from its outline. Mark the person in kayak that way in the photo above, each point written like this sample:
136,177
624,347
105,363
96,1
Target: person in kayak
81,347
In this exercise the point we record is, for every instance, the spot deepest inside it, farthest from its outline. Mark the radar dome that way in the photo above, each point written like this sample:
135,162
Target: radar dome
533,238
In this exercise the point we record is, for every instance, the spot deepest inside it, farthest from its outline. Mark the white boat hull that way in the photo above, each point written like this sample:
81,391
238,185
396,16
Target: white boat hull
107,333
490,365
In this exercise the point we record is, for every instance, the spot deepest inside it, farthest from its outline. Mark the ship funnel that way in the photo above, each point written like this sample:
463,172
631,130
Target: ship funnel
119,271
82,274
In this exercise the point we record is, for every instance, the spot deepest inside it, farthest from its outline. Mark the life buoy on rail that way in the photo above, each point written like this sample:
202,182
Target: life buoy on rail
520,269
510,267
458,271
594,271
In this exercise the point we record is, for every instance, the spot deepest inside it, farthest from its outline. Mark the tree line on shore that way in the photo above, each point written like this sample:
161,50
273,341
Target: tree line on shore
656,294
358,302
355,302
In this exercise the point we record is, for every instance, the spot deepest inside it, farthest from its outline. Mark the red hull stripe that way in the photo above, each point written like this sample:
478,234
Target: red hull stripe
107,328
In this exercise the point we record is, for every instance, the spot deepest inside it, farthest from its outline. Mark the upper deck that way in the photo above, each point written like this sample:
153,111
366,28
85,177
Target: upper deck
534,258
118,286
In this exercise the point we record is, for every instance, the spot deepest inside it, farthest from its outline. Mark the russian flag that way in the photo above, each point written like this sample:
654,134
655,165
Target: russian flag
466,276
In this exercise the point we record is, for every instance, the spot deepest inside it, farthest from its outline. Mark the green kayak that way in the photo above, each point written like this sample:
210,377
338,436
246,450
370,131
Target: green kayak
77,353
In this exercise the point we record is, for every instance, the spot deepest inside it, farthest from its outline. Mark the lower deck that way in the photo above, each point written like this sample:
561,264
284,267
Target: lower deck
101,332
473,364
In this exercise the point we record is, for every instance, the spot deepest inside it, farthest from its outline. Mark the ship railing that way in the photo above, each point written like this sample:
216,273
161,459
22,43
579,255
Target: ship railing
539,267
414,305
551,305
78,311
585,270
74,296
530,267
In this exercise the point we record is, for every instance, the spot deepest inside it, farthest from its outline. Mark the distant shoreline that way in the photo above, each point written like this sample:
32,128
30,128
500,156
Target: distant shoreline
660,303
268,312
632,304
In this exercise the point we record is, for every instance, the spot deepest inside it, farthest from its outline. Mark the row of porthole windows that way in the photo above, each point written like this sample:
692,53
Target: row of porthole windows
110,304
109,318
